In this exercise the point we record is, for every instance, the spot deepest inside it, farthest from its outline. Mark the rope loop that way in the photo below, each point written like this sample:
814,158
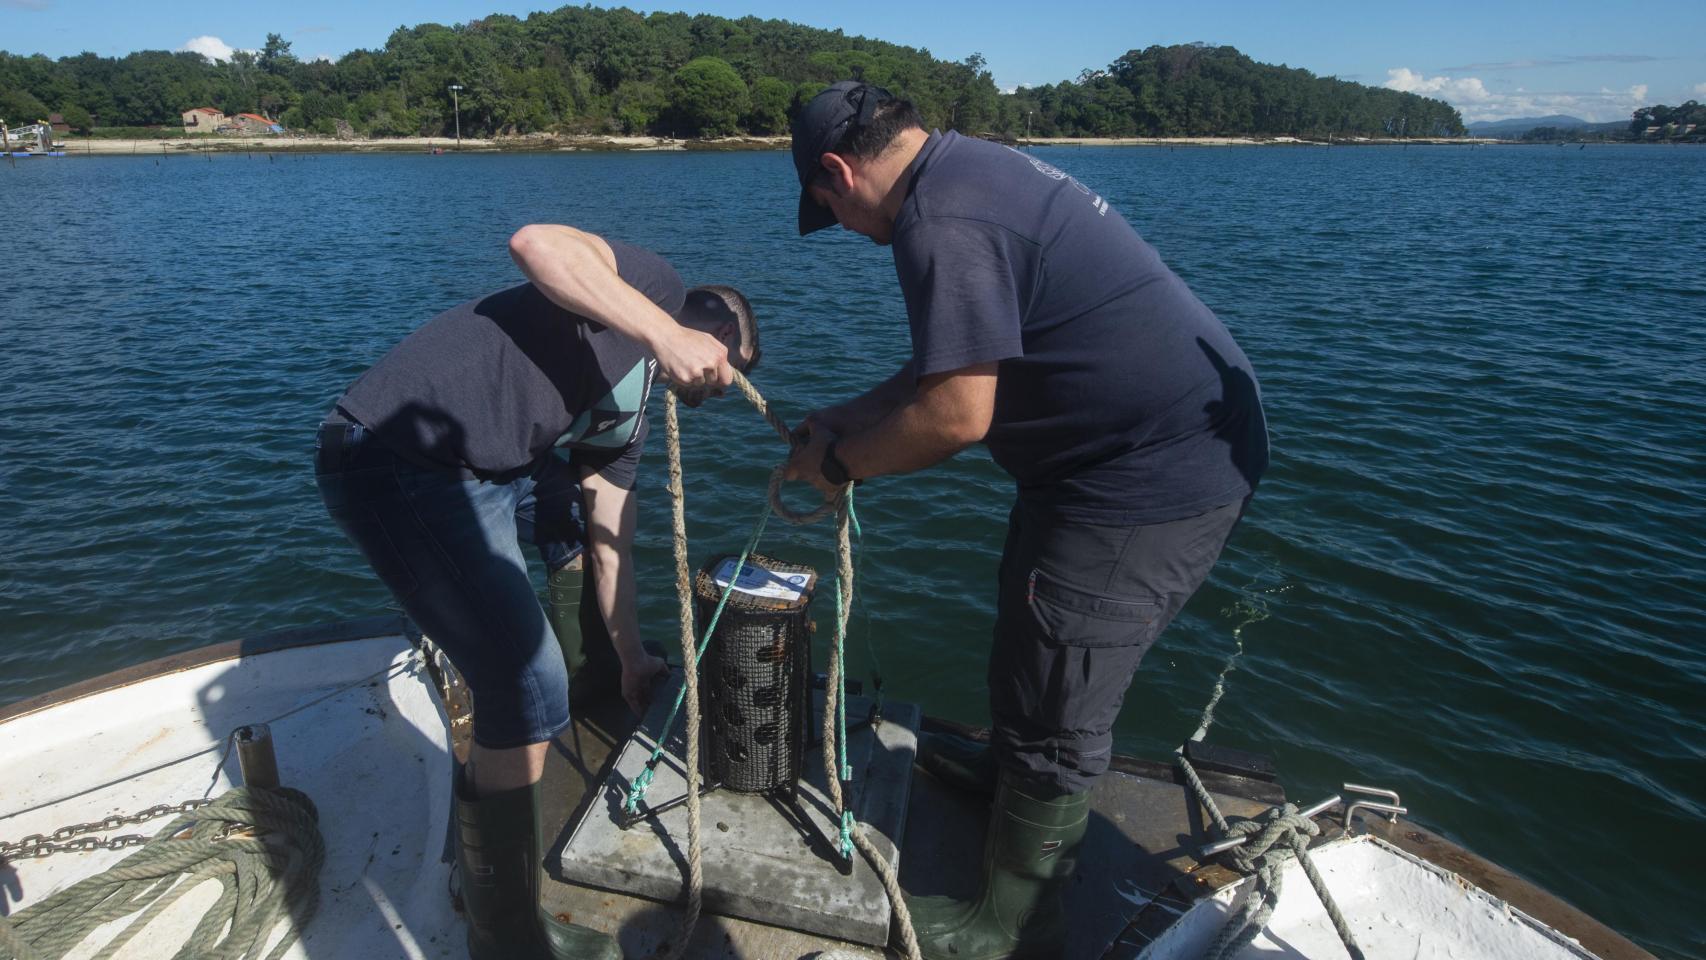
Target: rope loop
831,502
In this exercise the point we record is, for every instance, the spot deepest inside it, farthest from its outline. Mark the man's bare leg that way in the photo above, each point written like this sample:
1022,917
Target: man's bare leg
511,768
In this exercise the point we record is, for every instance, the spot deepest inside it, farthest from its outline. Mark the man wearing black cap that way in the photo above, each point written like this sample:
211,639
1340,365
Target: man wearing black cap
1044,327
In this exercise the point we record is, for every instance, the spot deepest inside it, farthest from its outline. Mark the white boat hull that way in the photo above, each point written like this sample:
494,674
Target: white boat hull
1395,904
357,726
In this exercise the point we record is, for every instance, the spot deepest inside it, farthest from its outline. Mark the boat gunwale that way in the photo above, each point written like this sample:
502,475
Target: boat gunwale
342,631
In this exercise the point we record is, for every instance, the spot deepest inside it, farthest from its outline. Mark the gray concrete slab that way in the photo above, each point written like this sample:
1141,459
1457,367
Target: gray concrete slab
763,859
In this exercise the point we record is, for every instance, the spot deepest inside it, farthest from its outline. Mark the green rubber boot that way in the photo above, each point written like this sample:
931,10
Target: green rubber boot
563,594
594,671
1030,854
959,762
498,854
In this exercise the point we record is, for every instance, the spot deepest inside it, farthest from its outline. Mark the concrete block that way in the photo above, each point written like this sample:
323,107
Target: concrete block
763,859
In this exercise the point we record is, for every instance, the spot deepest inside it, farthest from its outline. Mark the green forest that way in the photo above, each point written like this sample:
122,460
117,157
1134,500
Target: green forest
582,70
1685,121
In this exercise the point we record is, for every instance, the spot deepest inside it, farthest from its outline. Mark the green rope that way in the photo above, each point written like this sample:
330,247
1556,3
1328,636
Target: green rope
847,824
643,782
865,608
263,846
846,770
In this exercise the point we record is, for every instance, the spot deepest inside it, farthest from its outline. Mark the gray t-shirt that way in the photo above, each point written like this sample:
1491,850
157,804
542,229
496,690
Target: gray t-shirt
489,387
1120,397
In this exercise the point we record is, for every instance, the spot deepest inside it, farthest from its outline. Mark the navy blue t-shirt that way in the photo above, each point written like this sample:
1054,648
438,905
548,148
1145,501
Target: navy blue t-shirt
1120,397
490,386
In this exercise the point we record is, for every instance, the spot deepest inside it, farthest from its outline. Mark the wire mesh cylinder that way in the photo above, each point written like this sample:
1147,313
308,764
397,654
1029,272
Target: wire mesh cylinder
753,681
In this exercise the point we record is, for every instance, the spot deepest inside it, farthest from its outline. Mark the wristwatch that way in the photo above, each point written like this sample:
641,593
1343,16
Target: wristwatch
833,469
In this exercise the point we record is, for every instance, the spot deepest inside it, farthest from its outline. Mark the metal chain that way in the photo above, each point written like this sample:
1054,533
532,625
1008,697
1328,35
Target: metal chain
38,845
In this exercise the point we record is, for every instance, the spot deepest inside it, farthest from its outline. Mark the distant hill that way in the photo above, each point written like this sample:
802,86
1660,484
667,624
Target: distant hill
1517,126
1195,90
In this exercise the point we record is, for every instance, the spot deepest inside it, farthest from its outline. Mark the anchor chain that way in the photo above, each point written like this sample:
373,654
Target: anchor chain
38,845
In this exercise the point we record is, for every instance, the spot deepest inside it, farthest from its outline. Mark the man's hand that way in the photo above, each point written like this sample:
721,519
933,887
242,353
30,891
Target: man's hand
640,676
692,359
830,419
806,463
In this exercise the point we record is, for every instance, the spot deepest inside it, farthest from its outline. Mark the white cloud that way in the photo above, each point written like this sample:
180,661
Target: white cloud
212,48
1472,98
1450,89
1700,88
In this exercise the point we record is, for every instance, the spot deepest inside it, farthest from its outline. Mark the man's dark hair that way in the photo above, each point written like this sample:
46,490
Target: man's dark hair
737,305
874,136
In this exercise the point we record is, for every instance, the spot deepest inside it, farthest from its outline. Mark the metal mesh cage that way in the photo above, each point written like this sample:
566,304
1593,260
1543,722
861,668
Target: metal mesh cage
753,680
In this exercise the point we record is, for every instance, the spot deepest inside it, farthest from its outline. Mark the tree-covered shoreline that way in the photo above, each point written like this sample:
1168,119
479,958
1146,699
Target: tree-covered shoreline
588,71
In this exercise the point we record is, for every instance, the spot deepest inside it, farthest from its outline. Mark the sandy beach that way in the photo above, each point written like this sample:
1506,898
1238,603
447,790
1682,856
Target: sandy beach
76,146
548,143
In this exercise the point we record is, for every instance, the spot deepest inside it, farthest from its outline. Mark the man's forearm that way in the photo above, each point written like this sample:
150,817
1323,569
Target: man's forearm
577,271
617,602
943,416
871,407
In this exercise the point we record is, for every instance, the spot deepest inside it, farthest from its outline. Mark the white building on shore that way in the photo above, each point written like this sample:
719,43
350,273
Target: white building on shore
203,120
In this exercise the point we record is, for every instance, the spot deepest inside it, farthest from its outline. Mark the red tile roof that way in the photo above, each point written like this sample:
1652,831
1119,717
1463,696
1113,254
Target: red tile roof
254,116
203,110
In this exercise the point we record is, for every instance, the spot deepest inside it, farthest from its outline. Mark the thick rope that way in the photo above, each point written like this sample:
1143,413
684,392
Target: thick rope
690,666
832,705
264,848
1276,836
770,416
841,505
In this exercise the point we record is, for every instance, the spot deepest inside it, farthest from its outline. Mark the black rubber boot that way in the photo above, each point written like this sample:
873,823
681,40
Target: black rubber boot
498,855
959,762
1029,856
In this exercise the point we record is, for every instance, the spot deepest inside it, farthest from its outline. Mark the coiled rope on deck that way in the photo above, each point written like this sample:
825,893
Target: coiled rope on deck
841,505
1277,835
262,845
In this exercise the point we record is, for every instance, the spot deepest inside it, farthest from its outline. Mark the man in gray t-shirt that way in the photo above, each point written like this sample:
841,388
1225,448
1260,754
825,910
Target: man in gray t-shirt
1045,328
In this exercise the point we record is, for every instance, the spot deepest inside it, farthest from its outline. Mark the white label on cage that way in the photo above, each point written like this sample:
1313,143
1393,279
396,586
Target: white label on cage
759,582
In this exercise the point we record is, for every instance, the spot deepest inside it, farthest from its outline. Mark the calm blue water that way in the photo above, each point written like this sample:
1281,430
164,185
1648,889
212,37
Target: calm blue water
1475,571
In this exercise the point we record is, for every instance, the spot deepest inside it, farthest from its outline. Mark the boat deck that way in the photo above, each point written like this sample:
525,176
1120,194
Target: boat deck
361,729
1142,829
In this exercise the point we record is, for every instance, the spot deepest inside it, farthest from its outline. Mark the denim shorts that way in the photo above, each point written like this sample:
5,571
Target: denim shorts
446,548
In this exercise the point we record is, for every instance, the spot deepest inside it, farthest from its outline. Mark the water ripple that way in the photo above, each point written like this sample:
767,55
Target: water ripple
1481,548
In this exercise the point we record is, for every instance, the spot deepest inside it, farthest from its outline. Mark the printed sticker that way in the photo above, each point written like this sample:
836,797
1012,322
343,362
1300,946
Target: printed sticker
759,582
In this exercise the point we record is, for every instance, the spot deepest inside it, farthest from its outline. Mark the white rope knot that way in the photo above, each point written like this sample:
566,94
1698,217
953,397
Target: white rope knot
1275,827
1277,835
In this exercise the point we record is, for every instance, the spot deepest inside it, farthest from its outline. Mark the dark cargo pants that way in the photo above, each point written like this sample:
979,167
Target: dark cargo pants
1079,605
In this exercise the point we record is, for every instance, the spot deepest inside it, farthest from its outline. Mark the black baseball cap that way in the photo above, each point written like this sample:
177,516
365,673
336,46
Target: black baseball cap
825,122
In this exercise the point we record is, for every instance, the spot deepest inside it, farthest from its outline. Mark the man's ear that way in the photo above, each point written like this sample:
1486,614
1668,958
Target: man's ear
840,172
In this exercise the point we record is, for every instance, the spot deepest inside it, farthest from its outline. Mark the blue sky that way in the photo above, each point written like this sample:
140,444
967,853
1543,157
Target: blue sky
1595,60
